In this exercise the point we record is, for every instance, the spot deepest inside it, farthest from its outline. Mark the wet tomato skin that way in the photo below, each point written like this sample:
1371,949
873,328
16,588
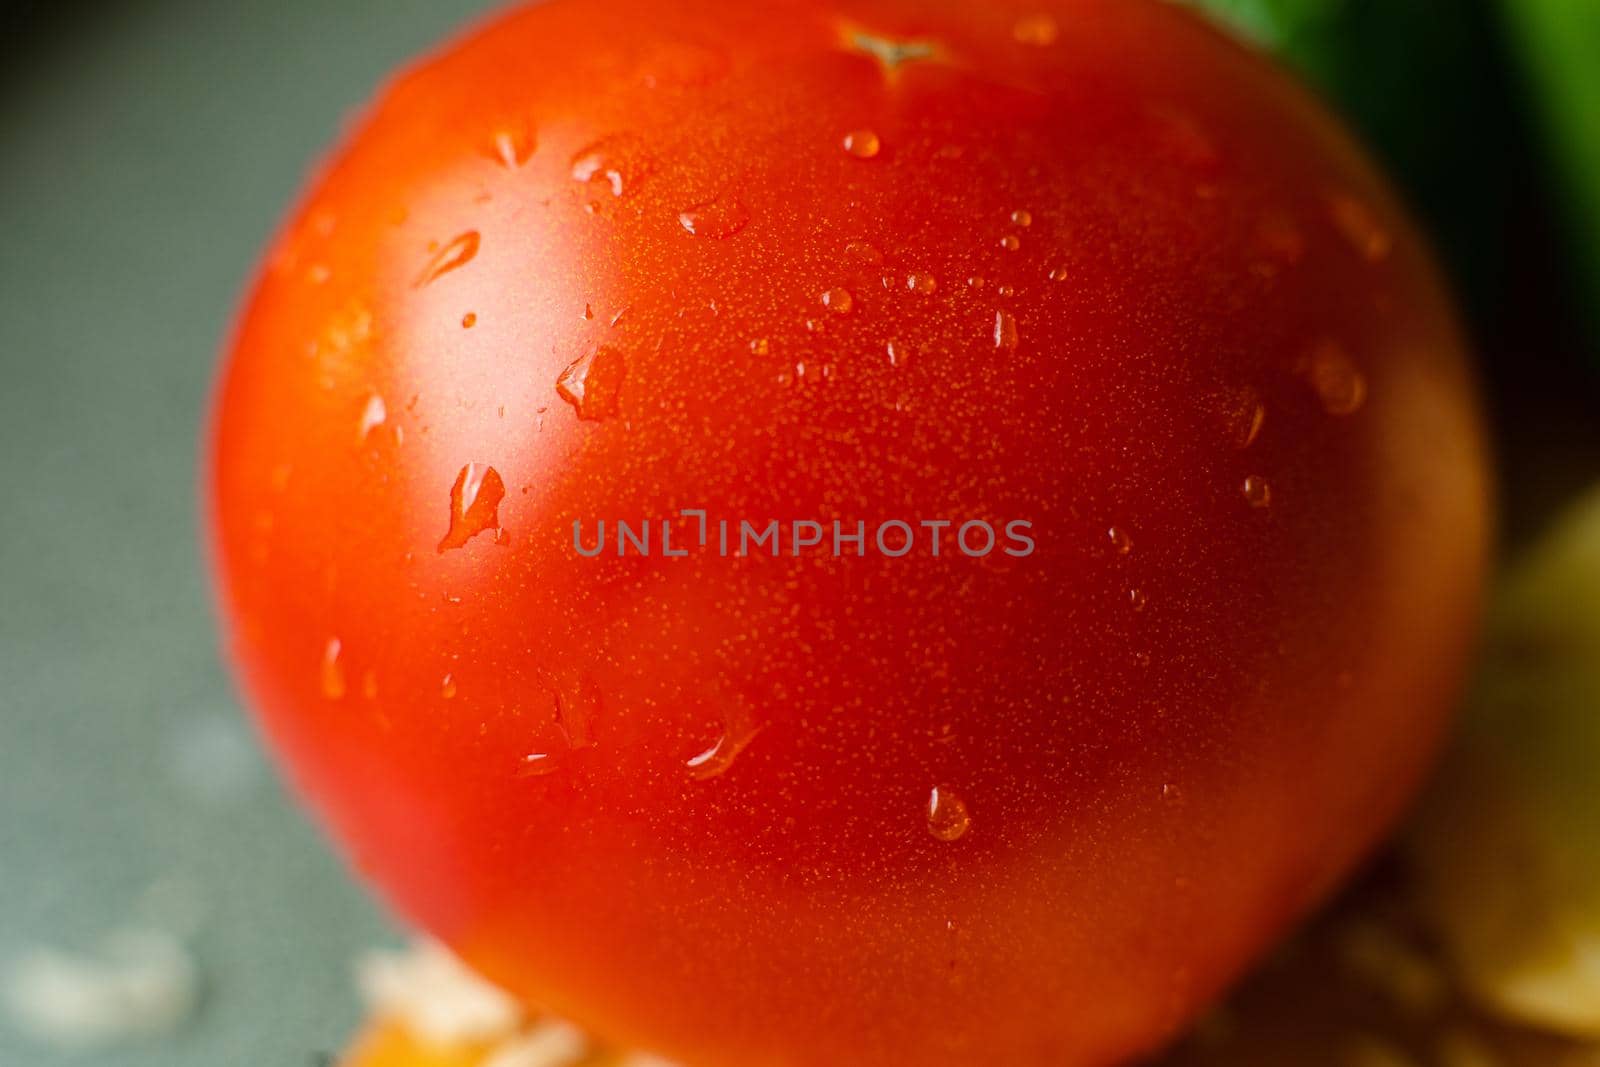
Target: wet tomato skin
1082,263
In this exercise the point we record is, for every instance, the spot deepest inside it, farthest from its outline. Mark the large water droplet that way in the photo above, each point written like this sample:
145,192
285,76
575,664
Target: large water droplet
373,415
1361,229
332,675
592,384
448,687
948,818
620,162
1257,492
863,254
863,144
576,705
1121,543
838,301
512,145
1010,242
456,254
1331,373
737,733
539,764
1022,217
1241,413
1005,331
721,217
474,504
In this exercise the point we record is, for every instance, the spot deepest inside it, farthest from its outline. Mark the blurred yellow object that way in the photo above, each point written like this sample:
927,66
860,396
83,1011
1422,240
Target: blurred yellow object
1364,987
391,1043
429,1010
1507,847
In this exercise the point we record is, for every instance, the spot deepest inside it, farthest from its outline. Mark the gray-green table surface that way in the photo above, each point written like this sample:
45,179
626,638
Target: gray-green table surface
147,150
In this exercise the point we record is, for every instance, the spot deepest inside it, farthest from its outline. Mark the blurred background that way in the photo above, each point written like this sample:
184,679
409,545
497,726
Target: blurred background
147,150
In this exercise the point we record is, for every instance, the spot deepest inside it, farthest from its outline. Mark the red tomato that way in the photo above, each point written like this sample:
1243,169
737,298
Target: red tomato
1080,264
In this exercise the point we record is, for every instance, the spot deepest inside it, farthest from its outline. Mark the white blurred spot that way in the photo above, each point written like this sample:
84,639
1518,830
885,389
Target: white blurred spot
216,758
143,984
548,1044
436,996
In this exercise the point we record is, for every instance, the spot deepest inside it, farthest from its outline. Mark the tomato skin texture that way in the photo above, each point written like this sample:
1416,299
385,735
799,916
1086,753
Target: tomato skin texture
1216,370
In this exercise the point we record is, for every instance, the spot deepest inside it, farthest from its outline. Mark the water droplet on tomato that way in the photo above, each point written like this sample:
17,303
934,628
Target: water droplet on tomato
373,415
1010,242
333,685
577,706
1332,374
1121,543
838,301
1360,228
512,145
447,687
863,253
456,254
474,504
1257,492
922,283
1037,30
538,764
592,384
1005,331
897,353
1137,599
469,320
1022,217
977,281
863,144
619,162
948,818
1058,274
721,217
736,736
761,347
1241,413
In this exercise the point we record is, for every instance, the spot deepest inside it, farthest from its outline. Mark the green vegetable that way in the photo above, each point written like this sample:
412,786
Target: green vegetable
1558,42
